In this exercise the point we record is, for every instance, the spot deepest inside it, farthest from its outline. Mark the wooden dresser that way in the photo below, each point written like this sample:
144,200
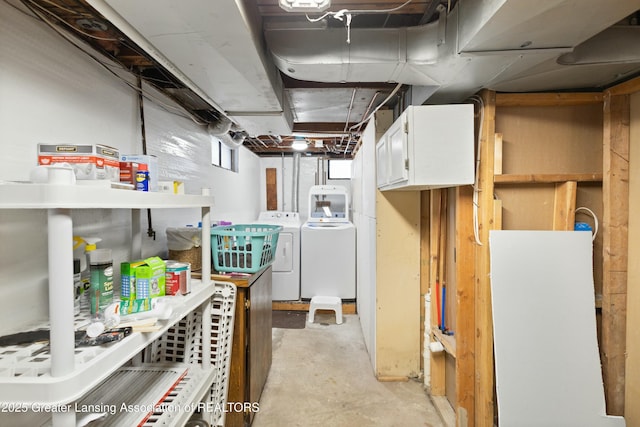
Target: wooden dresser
251,354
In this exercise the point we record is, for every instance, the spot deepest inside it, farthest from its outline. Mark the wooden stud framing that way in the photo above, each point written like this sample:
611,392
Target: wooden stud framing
615,190
484,379
437,360
547,178
497,156
564,206
425,233
632,366
465,311
484,397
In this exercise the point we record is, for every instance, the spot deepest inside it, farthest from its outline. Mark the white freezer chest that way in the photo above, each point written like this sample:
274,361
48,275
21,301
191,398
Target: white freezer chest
428,146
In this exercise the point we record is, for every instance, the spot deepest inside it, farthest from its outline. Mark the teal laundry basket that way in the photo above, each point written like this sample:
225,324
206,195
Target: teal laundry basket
244,248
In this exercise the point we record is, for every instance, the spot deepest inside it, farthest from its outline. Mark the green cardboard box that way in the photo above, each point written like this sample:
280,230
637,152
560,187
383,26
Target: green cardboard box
152,275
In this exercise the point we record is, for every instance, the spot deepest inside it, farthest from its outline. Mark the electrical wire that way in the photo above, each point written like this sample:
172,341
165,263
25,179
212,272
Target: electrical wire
69,25
476,182
123,42
365,120
65,9
595,220
107,66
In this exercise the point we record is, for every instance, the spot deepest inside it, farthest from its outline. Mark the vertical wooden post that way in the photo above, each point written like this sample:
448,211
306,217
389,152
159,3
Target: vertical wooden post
564,206
497,157
425,236
484,396
437,360
632,367
272,189
465,311
615,194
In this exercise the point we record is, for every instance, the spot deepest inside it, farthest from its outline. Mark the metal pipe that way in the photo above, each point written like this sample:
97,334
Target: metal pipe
296,182
346,123
282,170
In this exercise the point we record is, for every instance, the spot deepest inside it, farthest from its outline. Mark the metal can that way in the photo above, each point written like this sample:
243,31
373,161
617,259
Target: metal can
178,278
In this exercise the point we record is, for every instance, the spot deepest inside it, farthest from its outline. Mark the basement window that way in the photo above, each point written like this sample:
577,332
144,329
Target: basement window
339,169
223,156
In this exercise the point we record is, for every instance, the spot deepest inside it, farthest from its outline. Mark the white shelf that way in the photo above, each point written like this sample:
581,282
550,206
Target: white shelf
154,394
26,378
129,394
75,196
60,375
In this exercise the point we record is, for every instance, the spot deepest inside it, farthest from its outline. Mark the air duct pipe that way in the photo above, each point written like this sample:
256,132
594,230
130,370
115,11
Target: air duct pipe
295,187
221,130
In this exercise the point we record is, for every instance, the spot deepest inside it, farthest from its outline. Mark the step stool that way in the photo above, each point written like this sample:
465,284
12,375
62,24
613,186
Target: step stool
326,303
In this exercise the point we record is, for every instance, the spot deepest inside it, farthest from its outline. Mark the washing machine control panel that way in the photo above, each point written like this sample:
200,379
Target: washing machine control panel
280,216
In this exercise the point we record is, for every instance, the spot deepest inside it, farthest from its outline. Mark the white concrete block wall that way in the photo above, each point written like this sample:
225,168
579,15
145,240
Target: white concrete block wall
52,92
307,179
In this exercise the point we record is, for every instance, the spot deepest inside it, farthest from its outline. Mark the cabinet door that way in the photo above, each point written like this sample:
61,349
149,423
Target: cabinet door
382,160
397,150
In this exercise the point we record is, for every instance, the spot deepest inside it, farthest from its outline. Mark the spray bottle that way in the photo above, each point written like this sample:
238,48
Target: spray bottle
85,273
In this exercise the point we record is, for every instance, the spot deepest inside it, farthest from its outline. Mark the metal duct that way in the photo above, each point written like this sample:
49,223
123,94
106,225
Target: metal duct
295,187
477,44
373,55
214,48
615,45
221,130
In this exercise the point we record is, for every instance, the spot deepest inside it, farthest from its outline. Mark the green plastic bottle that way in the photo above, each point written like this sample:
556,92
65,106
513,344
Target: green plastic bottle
101,267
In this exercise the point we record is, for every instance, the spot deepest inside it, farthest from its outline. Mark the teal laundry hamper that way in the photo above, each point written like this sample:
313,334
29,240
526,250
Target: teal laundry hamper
244,248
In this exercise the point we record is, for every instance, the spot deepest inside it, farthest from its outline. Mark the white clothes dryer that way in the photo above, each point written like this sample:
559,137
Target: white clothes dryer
286,264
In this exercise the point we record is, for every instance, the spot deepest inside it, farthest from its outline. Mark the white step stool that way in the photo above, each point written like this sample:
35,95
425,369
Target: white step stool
326,303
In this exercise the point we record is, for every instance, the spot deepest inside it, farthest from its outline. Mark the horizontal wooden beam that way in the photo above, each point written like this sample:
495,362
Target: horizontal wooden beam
546,178
347,308
547,99
627,88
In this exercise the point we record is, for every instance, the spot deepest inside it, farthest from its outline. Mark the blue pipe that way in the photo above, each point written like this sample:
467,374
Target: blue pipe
444,298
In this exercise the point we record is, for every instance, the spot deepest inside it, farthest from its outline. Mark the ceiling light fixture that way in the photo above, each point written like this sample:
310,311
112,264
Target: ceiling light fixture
304,5
299,145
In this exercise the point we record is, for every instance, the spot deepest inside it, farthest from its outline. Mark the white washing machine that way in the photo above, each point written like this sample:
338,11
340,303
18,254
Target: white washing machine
286,265
328,245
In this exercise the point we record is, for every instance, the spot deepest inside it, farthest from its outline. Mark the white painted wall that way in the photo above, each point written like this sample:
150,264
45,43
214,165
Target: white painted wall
309,167
52,92
364,216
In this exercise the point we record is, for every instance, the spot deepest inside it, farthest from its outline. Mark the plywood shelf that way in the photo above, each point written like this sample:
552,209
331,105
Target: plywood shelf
448,341
546,178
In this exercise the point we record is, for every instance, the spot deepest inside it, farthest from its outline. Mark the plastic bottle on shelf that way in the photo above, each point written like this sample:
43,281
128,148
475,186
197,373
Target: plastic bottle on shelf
85,274
101,291
77,285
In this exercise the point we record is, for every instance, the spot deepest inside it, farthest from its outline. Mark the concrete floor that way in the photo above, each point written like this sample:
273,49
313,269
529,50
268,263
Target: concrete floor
322,376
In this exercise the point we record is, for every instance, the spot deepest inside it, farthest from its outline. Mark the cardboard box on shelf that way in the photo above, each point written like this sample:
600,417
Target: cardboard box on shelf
89,161
154,273
129,167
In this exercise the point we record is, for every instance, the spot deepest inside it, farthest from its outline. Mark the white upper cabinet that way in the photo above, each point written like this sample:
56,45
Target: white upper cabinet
428,146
